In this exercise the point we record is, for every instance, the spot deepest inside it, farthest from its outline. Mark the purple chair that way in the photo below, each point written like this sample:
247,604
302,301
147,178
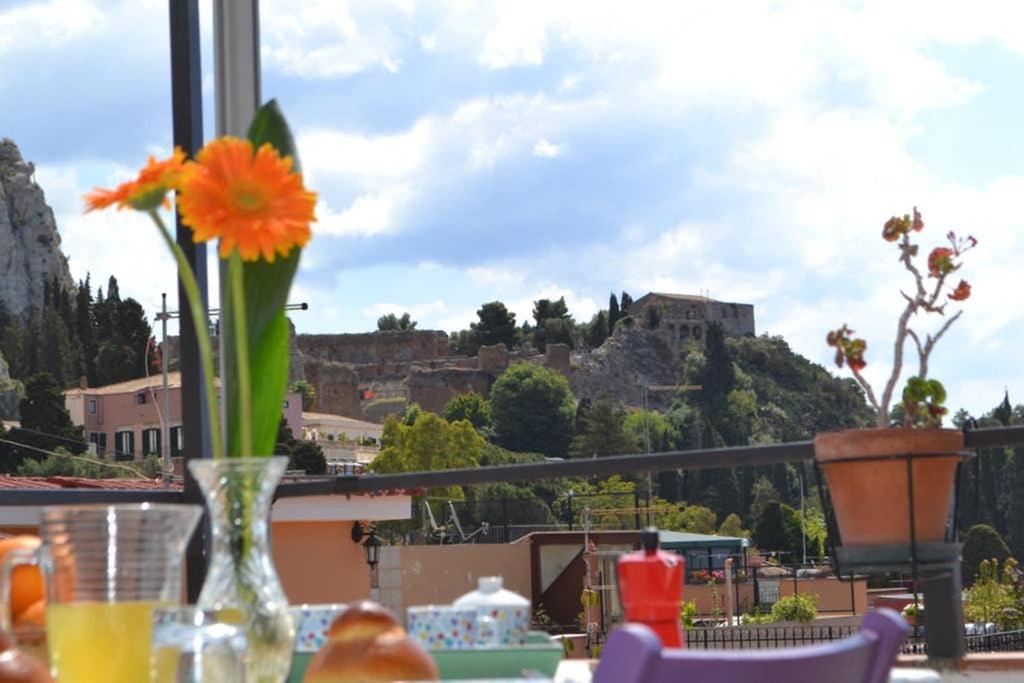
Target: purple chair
633,654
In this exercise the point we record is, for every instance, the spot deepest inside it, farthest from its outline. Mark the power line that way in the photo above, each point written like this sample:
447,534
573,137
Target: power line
101,463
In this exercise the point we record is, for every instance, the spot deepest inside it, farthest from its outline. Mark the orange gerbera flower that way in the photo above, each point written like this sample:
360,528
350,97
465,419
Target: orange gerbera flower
148,191
252,201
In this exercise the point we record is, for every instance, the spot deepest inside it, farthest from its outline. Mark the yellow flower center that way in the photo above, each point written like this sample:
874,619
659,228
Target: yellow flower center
248,196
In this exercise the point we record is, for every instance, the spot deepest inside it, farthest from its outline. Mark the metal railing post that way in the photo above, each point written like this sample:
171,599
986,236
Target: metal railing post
187,112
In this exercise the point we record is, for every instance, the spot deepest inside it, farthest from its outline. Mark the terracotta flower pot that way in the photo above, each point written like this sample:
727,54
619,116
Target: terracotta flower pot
870,497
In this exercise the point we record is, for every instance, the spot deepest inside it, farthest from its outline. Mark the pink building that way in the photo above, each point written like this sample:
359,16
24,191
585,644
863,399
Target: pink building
124,419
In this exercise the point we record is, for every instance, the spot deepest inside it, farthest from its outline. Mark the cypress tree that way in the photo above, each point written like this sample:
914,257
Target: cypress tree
613,311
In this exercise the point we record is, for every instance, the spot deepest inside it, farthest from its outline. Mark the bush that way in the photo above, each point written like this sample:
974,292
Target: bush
981,543
802,608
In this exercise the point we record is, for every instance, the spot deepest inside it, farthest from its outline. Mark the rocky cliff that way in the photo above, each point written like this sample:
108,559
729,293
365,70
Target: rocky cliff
628,360
29,243
10,393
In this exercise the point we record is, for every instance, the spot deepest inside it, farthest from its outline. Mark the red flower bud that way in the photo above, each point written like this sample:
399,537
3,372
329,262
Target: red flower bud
962,291
894,227
918,222
940,261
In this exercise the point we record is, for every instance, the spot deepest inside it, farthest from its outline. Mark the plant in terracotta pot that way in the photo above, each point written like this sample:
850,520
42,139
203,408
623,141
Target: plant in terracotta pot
867,469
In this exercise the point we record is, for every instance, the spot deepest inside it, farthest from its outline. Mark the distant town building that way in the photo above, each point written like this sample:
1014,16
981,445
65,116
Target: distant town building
123,419
682,317
343,439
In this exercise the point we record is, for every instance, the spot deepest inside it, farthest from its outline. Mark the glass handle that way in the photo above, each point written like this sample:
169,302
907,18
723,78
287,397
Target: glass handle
17,557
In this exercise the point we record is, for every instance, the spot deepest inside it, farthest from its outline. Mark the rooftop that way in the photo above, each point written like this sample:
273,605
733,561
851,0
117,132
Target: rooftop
339,420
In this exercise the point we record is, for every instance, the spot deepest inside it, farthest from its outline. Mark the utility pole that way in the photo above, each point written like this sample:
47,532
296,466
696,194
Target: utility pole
803,515
165,423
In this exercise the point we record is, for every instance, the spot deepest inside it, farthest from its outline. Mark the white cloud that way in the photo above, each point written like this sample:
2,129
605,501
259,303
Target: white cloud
547,150
368,215
322,39
49,23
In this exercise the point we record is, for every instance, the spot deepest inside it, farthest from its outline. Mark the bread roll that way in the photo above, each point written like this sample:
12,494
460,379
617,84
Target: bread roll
367,645
361,620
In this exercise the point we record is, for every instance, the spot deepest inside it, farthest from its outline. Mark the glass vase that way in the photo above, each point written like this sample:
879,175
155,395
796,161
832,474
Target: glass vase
241,583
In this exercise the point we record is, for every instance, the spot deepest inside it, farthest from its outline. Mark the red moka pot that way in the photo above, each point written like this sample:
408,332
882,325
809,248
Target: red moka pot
651,589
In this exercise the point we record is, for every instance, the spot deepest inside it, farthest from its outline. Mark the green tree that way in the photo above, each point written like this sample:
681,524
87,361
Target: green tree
625,302
308,393
981,543
497,325
699,520
55,355
597,331
546,309
602,433
115,362
732,525
393,323
614,313
1015,501
285,439
463,343
643,424
412,413
802,608
764,492
45,425
85,328
61,463
307,456
532,410
472,407
770,533
429,443
134,332
42,410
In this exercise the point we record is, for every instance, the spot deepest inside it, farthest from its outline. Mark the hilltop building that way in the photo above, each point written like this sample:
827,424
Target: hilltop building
685,316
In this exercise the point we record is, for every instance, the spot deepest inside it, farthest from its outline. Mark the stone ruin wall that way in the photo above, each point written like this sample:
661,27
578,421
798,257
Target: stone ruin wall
413,365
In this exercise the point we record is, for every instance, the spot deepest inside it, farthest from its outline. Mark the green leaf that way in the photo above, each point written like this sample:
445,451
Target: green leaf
266,288
269,125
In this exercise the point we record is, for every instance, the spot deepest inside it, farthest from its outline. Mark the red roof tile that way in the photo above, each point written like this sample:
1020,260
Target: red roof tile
11,482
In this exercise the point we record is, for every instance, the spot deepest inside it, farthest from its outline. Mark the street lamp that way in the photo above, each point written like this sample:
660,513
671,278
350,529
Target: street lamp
371,549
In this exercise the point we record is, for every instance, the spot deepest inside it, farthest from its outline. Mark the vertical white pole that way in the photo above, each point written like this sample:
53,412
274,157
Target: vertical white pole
803,517
236,48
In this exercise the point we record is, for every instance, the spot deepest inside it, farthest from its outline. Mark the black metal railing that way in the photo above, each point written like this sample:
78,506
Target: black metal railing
771,637
764,637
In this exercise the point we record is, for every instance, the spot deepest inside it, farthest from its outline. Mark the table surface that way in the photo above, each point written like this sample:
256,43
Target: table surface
579,671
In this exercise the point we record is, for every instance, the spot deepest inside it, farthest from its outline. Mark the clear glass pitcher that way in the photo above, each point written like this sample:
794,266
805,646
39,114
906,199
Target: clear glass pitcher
105,568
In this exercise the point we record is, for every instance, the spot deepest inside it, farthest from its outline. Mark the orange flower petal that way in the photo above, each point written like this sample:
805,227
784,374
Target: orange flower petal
147,191
249,200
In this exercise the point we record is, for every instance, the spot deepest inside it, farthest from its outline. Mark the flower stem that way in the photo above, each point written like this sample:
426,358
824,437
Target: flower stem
241,334
198,311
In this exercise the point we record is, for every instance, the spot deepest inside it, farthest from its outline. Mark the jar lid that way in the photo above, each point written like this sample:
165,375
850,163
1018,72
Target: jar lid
489,584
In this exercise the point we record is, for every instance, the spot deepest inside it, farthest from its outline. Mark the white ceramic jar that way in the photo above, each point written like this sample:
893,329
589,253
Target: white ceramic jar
507,612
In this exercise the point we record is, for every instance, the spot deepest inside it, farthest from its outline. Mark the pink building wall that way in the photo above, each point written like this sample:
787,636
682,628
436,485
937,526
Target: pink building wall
117,408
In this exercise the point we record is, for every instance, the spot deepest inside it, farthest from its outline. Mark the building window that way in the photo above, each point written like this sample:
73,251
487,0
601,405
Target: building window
689,315
100,439
725,313
140,398
697,333
177,441
92,406
330,437
151,441
124,445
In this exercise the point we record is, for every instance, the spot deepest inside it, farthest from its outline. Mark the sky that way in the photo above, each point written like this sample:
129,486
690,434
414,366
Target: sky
466,152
